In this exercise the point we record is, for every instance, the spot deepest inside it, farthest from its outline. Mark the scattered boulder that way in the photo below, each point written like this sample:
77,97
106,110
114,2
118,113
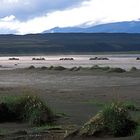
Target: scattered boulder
99,58
36,59
138,58
13,58
66,59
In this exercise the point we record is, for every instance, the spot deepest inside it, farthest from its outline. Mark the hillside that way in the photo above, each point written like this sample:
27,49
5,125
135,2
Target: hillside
118,27
68,43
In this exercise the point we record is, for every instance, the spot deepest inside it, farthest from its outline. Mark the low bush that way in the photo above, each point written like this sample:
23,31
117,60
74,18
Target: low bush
28,108
133,69
117,70
75,68
31,67
44,68
59,68
113,120
138,132
96,67
131,106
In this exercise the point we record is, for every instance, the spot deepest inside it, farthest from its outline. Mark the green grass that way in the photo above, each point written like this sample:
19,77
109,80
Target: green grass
138,132
113,120
117,70
95,102
26,108
46,127
131,106
118,120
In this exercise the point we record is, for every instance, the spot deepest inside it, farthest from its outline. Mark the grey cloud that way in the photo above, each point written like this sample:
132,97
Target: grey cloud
25,9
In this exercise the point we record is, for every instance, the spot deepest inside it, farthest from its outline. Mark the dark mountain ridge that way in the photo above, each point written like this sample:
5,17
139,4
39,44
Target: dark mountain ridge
68,43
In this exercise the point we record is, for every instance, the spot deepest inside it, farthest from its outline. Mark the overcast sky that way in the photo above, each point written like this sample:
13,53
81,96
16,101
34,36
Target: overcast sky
36,16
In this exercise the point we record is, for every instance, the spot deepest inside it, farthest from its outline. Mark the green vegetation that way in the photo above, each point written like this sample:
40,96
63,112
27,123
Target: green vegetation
138,132
117,70
59,68
31,67
46,127
129,105
113,120
133,69
95,102
29,108
75,68
93,68
69,42
96,67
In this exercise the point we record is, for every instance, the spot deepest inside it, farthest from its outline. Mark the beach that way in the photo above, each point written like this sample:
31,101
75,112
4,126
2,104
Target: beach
125,61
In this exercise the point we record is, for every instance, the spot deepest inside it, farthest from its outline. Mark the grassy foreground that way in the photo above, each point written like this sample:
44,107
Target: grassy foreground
114,120
25,108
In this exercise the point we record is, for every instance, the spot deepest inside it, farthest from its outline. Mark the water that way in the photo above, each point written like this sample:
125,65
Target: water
125,61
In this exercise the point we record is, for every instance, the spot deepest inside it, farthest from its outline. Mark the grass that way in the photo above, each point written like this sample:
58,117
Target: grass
117,70
133,69
138,132
95,102
131,106
31,67
59,68
95,67
113,120
46,127
117,120
25,108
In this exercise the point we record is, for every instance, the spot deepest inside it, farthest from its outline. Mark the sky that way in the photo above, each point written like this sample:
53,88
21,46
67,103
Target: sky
36,16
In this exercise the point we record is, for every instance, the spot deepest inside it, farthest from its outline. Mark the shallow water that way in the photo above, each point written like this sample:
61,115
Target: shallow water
125,61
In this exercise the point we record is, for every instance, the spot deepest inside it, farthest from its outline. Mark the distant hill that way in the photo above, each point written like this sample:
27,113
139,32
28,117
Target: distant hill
118,27
68,43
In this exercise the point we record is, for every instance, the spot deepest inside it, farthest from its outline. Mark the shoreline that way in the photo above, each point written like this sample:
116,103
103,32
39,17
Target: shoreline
124,61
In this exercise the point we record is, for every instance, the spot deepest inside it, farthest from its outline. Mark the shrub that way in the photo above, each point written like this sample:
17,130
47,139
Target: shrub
117,120
133,69
96,67
113,120
31,67
28,108
50,68
138,132
60,68
75,68
117,70
131,106
44,68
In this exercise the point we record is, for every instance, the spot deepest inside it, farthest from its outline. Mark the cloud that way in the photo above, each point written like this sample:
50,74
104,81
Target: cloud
26,9
8,18
90,12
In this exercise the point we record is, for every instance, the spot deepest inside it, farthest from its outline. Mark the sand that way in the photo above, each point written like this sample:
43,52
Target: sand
71,92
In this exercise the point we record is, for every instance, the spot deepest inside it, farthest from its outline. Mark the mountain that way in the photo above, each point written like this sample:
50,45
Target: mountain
68,43
118,27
